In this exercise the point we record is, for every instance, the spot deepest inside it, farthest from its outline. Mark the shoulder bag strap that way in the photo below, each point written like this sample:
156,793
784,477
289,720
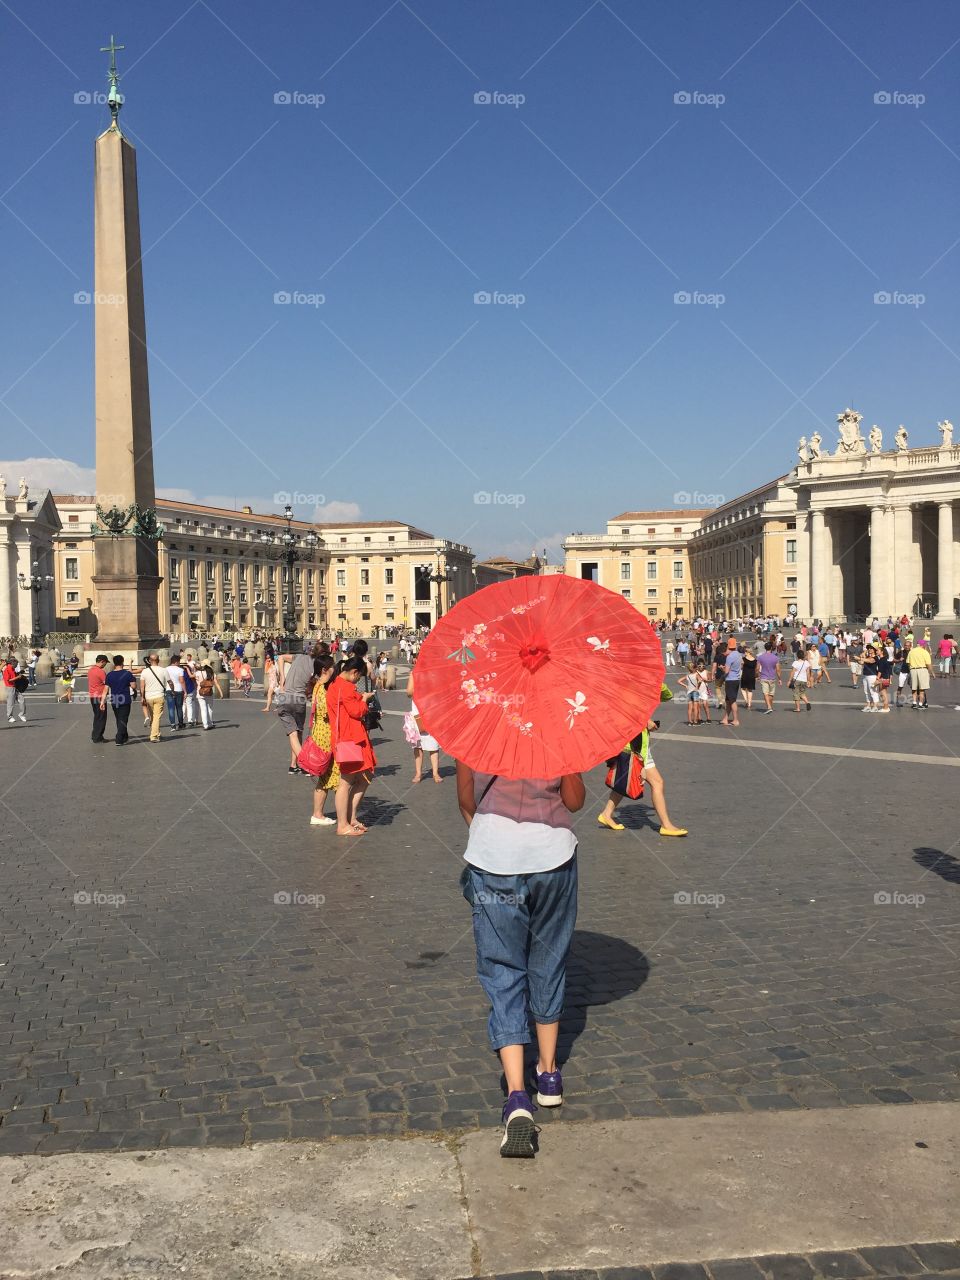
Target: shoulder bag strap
485,790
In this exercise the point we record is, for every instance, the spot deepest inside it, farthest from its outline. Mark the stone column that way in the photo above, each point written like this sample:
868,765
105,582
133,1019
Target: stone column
946,588
905,586
8,584
879,563
818,565
803,564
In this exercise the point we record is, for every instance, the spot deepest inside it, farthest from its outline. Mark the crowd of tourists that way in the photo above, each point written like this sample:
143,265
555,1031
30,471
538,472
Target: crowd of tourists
890,662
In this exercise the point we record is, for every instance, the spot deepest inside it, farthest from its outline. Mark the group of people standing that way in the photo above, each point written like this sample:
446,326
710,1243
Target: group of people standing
340,720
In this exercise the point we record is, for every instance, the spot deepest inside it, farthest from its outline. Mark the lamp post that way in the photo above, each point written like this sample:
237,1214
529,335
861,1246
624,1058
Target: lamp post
289,547
35,583
439,578
677,594
718,601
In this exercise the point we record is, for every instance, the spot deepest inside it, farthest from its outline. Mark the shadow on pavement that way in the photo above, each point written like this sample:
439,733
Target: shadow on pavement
600,970
944,865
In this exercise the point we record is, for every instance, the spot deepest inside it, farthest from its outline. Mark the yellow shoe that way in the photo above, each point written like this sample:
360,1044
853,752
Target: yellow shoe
673,831
610,823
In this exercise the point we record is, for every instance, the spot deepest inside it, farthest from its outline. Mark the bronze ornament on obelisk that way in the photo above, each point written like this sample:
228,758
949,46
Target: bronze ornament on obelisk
126,563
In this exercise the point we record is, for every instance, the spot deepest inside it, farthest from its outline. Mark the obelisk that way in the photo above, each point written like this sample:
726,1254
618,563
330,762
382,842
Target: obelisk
126,575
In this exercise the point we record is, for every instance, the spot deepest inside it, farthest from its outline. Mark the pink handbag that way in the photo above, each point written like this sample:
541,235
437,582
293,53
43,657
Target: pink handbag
311,758
346,752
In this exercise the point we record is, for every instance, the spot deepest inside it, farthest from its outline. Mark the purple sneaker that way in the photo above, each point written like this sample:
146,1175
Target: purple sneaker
549,1087
518,1126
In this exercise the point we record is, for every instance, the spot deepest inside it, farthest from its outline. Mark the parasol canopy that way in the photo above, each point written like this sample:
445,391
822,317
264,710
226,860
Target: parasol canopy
538,677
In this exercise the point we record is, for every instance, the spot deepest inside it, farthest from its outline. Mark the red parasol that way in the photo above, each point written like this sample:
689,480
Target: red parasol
538,677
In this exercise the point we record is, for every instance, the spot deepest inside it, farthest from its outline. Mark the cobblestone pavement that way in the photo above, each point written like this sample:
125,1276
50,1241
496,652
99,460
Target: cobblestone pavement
922,1260
751,966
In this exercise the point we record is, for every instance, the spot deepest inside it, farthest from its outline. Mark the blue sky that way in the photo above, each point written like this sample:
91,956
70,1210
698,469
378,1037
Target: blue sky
782,197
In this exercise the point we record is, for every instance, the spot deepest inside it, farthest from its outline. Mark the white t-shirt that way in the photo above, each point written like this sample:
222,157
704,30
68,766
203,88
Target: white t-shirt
800,670
175,676
153,683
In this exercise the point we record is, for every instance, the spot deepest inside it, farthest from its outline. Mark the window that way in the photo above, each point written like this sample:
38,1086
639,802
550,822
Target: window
677,529
365,617
625,531
678,569
652,613
341,577
243,597
651,569
388,577
343,539
341,599
174,595
73,597
242,572
367,538
365,599
323,577
651,593
651,532
73,568
791,584
389,617
209,570
192,569
71,546
388,598
364,577
625,593
625,571
73,519
590,571
791,551
391,538
194,598
174,567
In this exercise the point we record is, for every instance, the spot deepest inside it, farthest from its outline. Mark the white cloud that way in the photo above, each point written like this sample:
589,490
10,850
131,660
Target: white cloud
58,474
176,495
332,511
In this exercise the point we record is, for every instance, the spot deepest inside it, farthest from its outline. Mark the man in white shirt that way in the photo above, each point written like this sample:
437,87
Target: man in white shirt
153,690
177,690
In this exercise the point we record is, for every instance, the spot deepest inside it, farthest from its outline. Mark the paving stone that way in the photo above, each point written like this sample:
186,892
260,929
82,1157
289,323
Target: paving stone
938,1257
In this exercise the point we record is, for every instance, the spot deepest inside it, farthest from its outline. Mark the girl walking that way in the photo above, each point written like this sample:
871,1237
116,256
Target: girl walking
327,783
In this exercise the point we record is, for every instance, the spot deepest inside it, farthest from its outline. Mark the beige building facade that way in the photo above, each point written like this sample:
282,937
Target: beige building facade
218,573
28,527
879,526
745,556
643,556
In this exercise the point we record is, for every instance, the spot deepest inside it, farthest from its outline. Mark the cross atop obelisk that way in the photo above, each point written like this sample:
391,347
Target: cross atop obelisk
126,573
114,97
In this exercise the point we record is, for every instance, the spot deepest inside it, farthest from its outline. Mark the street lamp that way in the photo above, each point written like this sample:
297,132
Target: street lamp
718,600
439,579
288,547
36,583
677,593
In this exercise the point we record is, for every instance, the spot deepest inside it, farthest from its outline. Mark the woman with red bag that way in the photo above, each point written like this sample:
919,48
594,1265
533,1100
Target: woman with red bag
321,735
624,772
346,708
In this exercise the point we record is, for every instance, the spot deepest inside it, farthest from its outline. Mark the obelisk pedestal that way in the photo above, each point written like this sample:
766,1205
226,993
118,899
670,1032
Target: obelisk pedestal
126,569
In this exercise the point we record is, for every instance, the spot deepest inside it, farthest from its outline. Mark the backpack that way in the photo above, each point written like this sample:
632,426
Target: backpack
21,684
205,688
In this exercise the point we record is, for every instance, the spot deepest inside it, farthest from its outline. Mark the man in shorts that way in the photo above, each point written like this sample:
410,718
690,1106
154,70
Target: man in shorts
920,665
294,674
770,677
732,668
